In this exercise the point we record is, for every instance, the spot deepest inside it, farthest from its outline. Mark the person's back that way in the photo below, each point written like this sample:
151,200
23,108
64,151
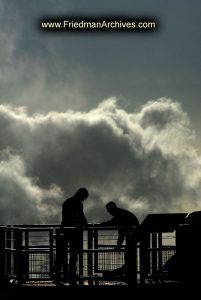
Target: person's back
121,217
124,217
72,213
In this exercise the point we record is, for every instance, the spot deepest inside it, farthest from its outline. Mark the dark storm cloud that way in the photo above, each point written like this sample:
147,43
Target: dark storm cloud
21,198
143,160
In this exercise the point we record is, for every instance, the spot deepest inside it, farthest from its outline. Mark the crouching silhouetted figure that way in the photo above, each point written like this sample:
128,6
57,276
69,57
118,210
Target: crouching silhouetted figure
122,217
72,216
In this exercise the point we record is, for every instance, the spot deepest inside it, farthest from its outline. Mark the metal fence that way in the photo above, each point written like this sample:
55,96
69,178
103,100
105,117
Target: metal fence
27,253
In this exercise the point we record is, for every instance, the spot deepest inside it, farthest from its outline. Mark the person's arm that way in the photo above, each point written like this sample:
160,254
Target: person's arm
120,239
82,218
107,223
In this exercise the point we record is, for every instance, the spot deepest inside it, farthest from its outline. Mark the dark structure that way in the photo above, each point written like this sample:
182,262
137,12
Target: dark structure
159,242
167,251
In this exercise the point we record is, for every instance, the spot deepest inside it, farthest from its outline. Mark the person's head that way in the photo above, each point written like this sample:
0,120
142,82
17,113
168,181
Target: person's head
112,208
81,194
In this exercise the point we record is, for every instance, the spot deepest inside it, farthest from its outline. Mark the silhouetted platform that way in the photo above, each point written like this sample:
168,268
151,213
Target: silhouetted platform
28,253
172,290
163,222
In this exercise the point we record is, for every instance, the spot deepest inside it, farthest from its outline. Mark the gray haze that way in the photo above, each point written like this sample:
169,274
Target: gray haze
58,133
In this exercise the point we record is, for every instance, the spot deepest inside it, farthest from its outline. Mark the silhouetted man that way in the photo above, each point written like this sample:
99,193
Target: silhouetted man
72,216
121,217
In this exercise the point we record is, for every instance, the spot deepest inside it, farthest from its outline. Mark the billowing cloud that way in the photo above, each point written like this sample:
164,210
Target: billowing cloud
22,201
145,161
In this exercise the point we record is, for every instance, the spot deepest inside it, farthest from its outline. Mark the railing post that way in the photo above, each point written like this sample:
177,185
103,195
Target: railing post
144,256
8,252
51,251
131,258
154,253
19,256
90,255
61,251
160,253
26,255
2,255
81,264
96,247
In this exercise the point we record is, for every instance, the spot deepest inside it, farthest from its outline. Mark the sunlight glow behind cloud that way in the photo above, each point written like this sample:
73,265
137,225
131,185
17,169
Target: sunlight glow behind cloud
145,160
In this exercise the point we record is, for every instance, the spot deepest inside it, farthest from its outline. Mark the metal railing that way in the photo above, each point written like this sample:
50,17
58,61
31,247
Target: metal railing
28,252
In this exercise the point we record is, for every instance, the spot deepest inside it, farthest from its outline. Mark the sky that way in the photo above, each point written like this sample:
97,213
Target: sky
117,113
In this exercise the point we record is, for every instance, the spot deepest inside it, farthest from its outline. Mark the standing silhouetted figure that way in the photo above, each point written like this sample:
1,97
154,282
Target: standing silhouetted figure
72,216
121,217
